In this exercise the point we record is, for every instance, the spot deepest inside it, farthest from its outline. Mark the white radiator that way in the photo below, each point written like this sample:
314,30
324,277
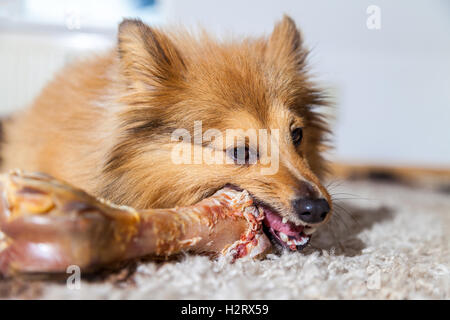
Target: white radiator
29,60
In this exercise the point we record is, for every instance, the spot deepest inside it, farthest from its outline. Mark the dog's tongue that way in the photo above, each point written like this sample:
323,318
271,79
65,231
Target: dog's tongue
274,221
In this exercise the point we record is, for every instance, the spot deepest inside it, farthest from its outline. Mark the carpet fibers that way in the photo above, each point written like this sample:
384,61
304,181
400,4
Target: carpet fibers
385,241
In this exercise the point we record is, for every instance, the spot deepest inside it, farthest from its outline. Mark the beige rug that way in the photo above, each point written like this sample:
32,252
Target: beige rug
389,241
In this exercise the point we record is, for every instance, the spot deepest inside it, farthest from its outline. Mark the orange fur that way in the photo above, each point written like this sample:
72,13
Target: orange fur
104,124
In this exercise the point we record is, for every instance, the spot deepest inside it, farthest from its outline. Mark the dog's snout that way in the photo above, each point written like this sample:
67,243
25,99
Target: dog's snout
311,210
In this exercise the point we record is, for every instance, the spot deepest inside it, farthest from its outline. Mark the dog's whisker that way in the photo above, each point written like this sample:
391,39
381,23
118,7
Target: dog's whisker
334,184
348,198
344,193
342,220
336,239
344,210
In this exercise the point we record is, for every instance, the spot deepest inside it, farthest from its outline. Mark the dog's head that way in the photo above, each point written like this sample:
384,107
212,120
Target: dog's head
181,96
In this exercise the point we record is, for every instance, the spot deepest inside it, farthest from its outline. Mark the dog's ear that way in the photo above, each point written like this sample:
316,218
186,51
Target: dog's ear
286,42
147,55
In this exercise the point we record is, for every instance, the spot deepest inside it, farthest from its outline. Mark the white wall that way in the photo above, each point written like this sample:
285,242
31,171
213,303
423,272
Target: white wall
392,85
29,60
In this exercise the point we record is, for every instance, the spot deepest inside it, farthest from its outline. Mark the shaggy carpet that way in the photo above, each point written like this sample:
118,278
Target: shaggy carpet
385,241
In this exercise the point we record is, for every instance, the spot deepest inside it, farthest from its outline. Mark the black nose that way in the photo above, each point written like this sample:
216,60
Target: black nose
311,210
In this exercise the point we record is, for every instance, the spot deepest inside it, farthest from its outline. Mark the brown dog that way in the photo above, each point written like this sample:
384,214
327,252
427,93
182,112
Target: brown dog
105,125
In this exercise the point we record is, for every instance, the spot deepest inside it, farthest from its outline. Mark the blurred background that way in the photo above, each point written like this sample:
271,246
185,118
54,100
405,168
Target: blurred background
386,63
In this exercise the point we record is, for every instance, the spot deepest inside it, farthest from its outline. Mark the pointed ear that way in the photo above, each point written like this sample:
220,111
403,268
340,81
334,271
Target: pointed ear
147,55
286,42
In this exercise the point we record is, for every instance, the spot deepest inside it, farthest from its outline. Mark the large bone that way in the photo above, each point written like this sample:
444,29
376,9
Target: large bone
47,225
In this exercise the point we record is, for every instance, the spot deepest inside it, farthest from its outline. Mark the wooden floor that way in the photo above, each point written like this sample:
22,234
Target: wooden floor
390,173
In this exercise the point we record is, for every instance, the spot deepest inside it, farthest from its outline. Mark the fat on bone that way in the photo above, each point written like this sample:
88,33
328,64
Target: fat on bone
47,225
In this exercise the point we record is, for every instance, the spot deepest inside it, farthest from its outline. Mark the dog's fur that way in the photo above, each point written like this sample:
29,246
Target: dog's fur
104,124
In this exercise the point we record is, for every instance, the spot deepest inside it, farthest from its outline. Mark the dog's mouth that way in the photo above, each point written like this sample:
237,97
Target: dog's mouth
283,232
280,231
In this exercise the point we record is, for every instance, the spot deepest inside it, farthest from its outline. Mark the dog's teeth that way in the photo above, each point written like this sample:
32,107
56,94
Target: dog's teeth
297,223
301,242
284,237
261,211
284,220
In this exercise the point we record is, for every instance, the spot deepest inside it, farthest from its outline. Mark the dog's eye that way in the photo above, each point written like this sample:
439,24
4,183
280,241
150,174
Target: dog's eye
297,136
242,155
